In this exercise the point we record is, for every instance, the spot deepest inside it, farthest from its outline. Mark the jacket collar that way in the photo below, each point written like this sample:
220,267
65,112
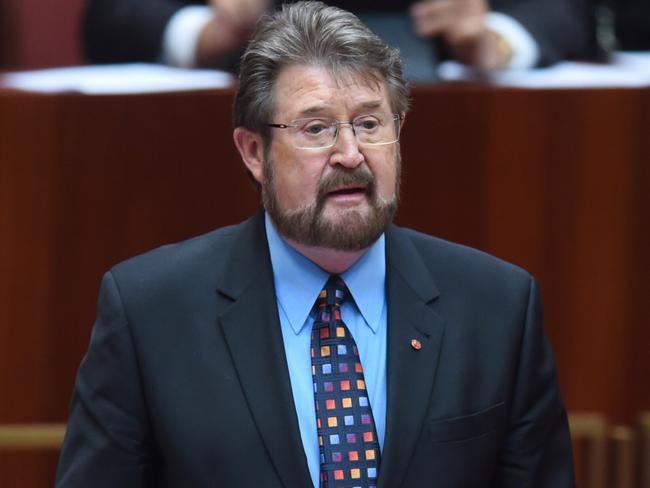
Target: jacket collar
251,328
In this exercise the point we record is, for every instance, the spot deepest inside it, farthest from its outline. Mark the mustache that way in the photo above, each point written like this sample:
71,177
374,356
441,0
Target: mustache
360,176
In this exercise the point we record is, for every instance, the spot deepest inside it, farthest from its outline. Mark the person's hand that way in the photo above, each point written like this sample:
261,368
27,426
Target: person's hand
461,23
229,29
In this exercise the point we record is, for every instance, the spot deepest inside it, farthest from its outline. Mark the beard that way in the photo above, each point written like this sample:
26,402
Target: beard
349,229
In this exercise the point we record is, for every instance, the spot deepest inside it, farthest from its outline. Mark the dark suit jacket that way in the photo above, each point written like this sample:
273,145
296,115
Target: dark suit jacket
132,30
185,383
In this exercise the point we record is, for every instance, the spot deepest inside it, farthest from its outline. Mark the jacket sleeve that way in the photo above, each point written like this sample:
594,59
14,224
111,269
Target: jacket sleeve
118,31
537,448
108,442
563,29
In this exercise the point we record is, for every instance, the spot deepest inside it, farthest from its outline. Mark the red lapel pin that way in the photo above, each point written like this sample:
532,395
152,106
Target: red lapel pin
415,344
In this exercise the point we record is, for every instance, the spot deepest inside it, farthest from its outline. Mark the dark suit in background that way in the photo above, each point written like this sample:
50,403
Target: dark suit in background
632,24
132,30
185,382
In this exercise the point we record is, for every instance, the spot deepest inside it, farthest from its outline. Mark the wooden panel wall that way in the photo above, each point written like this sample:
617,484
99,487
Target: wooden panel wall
39,33
555,181
7,36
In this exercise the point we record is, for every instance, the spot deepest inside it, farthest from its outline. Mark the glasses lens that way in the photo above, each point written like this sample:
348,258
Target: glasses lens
313,133
376,128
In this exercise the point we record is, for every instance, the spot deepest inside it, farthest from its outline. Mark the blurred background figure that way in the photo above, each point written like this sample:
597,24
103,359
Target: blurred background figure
623,25
486,35
633,24
185,33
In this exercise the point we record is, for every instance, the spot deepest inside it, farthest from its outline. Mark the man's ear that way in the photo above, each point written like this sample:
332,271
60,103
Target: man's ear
250,147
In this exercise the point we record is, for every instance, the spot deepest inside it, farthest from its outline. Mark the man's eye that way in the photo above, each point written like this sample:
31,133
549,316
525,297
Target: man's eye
367,124
315,128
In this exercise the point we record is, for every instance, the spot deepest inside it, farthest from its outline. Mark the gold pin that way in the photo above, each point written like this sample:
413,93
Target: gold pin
415,344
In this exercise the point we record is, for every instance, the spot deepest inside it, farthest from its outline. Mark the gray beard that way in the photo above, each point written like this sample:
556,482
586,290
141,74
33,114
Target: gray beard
352,231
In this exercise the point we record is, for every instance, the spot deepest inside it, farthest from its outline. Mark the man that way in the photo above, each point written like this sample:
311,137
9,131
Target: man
316,343
485,34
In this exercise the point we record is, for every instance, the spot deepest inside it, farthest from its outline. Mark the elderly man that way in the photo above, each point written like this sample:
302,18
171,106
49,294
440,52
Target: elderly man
317,344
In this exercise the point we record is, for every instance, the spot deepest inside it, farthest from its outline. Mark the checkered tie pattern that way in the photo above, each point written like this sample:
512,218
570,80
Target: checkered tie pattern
347,438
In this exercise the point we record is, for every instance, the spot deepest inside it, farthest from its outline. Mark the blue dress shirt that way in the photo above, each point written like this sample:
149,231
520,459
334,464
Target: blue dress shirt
298,281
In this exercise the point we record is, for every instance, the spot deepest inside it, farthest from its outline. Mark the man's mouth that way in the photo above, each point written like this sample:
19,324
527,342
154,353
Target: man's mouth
350,190
347,187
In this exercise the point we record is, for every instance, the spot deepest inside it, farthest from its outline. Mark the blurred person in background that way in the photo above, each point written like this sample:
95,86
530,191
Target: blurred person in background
621,25
491,35
632,24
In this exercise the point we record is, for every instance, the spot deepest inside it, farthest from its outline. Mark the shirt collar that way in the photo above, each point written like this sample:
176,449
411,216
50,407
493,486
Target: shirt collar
298,281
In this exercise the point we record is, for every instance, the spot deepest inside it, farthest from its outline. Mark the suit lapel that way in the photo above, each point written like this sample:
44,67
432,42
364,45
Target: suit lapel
251,328
411,370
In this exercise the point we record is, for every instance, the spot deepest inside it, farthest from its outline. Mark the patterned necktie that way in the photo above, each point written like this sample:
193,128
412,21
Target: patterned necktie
347,439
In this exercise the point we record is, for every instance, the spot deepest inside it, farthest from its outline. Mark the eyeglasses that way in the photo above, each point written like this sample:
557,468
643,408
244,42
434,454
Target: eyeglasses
322,132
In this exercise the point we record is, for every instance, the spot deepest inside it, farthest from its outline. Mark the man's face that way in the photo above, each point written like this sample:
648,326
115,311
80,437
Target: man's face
342,197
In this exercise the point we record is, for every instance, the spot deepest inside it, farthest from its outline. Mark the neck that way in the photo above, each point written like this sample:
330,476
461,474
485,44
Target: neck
331,260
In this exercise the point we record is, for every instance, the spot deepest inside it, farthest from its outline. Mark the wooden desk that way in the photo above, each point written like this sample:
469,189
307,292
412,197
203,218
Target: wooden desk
557,181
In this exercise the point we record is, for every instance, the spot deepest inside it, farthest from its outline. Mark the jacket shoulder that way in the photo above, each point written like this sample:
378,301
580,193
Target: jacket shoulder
459,265
171,269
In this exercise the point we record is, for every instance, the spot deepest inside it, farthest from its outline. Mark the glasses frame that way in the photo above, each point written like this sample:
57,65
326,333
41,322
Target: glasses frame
338,123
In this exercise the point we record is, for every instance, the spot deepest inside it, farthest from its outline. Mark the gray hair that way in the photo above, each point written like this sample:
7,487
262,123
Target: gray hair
311,33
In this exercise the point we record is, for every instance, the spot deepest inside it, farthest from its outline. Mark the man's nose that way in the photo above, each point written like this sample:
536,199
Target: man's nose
346,149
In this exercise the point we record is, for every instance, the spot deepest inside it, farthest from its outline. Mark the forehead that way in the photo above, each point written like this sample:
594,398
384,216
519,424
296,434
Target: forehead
314,90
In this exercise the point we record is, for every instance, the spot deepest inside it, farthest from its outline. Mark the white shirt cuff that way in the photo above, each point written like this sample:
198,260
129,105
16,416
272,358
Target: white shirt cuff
182,33
525,52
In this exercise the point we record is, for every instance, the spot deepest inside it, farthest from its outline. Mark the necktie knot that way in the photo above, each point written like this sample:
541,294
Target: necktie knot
333,294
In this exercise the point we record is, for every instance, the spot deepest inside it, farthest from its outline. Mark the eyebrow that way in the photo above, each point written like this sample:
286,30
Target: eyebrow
318,109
